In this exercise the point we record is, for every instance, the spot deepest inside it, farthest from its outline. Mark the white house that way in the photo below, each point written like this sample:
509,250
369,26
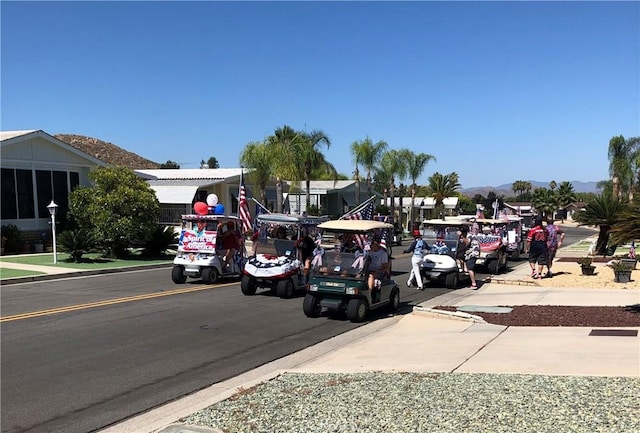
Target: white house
36,169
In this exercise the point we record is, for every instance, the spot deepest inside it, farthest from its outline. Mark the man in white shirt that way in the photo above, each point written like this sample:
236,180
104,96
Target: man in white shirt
379,265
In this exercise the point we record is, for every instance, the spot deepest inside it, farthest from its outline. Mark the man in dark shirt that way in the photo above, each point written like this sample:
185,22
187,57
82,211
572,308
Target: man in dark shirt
536,246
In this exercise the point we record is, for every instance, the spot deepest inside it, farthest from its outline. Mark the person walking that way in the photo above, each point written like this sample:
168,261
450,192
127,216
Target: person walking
418,247
555,237
536,246
470,256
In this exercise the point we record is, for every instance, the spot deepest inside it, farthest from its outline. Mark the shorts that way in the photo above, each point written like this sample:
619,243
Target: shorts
539,257
470,263
379,275
551,254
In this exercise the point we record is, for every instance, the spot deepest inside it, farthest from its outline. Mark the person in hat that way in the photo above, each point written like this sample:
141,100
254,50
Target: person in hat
379,264
419,248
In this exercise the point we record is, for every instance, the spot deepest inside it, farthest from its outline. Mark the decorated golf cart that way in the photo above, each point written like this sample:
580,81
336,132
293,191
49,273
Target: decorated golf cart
339,278
210,245
439,265
277,264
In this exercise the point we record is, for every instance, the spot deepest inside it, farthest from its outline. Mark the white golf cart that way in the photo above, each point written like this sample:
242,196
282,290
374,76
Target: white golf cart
277,264
339,282
200,253
439,264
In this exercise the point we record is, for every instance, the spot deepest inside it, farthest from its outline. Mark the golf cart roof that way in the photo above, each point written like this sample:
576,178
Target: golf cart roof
354,225
446,223
280,218
490,221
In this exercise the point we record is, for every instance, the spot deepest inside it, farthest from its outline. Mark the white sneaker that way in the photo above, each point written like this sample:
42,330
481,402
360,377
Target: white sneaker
409,283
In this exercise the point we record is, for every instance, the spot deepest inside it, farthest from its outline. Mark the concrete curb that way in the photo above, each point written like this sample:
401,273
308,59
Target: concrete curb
443,314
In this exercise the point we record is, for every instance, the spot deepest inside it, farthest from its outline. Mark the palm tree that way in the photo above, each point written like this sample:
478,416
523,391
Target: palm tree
565,195
256,155
415,166
402,156
368,154
526,188
280,145
442,186
391,165
310,158
620,164
627,226
634,159
603,211
545,201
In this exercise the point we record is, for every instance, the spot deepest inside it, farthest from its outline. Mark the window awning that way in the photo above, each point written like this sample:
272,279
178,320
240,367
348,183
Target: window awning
175,194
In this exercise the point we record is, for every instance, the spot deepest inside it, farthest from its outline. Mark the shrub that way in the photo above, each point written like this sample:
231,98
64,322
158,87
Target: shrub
11,238
585,261
157,239
77,243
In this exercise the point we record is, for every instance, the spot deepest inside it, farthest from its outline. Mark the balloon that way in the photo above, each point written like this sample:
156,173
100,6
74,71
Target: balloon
219,209
212,200
201,208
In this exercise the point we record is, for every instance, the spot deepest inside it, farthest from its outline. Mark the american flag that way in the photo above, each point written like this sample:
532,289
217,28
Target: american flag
260,209
632,250
362,212
243,209
489,242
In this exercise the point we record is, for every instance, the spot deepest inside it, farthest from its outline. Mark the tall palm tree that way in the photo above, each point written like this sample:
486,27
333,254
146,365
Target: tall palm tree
526,188
308,154
442,186
280,145
256,155
391,165
415,166
368,154
603,211
620,164
634,159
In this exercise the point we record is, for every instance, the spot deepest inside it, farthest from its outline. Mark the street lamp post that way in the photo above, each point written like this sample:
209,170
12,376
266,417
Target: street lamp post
53,208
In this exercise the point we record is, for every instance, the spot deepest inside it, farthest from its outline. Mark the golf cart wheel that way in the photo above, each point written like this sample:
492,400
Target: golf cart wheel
177,275
357,310
209,275
311,305
493,266
452,280
285,288
394,299
248,285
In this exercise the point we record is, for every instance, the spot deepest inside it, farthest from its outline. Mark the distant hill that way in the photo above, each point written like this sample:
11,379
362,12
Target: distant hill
108,152
506,190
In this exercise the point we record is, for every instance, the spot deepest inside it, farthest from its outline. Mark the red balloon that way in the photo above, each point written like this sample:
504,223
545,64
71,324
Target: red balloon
201,208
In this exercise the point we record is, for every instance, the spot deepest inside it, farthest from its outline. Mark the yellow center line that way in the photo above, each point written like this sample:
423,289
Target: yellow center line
107,302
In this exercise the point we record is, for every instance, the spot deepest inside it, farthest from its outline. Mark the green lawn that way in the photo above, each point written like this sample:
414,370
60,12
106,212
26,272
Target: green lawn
17,273
89,261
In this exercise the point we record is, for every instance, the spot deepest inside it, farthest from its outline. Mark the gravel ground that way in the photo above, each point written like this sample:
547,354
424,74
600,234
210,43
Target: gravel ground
410,402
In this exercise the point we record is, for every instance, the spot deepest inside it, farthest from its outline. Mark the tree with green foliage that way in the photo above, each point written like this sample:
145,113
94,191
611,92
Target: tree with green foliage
391,165
308,157
544,201
280,145
603,212
624,165
443,186
368,153
156,240
627,226
118,206
416,164
257,157
212,162
170,164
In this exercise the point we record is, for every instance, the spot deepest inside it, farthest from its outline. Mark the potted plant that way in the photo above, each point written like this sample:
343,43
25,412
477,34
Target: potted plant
621,271
38,245
586,265
11,238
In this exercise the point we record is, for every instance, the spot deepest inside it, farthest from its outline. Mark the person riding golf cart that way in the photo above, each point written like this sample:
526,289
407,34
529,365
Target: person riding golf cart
283,254
440,264
210,247
352,282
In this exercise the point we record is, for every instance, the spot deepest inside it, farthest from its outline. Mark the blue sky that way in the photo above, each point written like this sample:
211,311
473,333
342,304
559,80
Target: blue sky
496,91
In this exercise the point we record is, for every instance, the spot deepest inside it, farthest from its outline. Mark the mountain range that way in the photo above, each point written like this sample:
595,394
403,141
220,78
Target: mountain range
505,189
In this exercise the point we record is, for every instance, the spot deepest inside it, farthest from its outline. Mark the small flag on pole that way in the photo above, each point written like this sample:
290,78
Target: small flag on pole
243,208
632,250
362,212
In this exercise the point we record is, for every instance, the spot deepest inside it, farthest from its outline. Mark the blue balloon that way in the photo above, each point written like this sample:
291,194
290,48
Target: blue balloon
218,209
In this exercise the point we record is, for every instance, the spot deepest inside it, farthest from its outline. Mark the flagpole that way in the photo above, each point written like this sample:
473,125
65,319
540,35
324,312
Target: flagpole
359,207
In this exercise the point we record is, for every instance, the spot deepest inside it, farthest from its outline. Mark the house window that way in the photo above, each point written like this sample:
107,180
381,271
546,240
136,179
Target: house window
9,209
24,188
